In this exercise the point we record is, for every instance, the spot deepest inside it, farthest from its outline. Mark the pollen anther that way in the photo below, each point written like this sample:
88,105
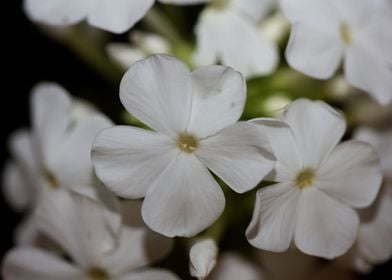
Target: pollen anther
187,143
305,178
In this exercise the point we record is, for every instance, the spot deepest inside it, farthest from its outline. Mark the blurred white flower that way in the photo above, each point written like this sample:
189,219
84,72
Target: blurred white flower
228,32
319,182
54,154
194,116
76,223
144,44
202,258
116,16
325,31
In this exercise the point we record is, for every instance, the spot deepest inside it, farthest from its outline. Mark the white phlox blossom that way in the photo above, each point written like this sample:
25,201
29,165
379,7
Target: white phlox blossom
227,31
325,31
54,154
144,44
116,16
194,116
76,223
319,182
202,258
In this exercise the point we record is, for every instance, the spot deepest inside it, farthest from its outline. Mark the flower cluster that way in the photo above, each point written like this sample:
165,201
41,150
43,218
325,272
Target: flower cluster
200,150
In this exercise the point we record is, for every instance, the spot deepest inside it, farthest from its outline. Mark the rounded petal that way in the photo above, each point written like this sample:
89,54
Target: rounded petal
129,160
351,174
202,258
184,200
78,224
117,17
317,129
255,9
219,95
149,274
369,72
34,264
57,12
157,91
220,36
325,227
274,217
138,246
239,156
124,54
71,164
314,52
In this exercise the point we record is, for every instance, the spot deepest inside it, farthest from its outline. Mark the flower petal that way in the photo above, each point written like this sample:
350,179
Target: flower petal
149,274
184,200
219,95
117,17
57,12
183,2
157,91
325,227
314,52
138,246
78,224
34,264
351,174
220,36
255,9
202,258
274,217
239,156
317,129
129,160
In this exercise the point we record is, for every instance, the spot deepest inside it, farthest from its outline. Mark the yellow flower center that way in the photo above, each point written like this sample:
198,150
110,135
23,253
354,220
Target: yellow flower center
305,178
95,273
50,179
345,34
187,143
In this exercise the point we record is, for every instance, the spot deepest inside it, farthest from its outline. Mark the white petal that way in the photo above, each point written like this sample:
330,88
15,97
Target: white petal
255,9
325,227
284,148
184,200
157,91
129,160
78,224
202,258
317,129
124,54
27,232
233,267
274,217
16,188
149,274
351,174
314,52
220,36
117,17
71,163
238,154
138,246
369,72
183,2
219,95
57,12
51,106
35,264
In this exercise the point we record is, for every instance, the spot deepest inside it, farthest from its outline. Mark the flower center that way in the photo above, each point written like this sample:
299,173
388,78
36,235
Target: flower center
187,143
305,178
50,179
345,34
95,273
220,4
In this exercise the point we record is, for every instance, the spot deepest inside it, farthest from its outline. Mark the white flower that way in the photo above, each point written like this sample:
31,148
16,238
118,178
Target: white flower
76,223
227,31
324,31
319,182
202,258
116,16
54,154
194,116
145,44
232,266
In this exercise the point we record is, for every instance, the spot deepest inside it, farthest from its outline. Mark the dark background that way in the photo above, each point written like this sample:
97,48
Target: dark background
30,56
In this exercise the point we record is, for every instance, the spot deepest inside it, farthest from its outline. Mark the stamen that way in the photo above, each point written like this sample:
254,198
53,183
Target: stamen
95,273
305,178
187,143
50,179
345,33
